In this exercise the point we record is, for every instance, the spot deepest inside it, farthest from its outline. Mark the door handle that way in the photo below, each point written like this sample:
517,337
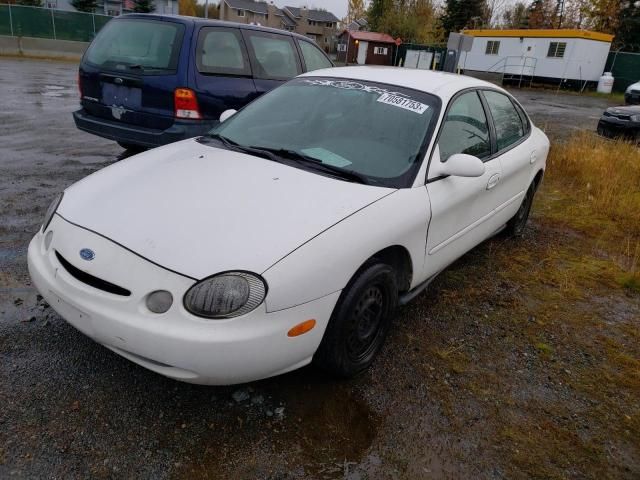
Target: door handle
493,181
533,158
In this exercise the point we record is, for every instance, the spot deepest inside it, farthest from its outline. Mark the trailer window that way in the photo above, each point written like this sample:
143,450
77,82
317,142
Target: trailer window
492,47
556,49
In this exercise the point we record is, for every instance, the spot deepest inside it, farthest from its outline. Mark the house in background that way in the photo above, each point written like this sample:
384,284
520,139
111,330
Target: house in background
318,25
549,56
365,48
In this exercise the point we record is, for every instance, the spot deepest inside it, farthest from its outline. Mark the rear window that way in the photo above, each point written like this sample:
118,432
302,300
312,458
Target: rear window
222,51
139,46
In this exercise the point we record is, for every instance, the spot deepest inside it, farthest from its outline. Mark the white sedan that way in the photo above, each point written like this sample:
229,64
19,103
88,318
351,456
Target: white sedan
291,232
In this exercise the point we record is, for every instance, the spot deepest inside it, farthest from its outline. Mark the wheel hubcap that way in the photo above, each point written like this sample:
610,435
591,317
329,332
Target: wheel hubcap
366,323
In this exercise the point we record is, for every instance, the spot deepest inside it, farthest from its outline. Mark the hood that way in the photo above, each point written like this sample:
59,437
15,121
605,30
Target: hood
633,86
200,210
626,110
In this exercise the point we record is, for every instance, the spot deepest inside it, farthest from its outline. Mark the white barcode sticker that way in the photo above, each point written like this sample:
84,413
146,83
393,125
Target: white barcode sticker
403,102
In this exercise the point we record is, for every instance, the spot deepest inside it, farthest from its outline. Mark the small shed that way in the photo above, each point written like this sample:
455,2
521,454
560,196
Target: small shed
365,48
547,55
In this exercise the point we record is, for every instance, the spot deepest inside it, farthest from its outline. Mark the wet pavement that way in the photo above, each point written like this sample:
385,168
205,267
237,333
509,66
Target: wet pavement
72,409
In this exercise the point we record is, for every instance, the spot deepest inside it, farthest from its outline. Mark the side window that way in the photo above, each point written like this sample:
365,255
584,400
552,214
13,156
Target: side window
523,116
313,57
221,51
465,129
505,118
275,55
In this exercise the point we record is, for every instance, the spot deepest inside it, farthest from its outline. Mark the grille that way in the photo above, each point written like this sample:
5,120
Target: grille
90,280
618,116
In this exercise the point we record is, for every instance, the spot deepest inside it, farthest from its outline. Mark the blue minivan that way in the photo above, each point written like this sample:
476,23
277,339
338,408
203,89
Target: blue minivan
148,80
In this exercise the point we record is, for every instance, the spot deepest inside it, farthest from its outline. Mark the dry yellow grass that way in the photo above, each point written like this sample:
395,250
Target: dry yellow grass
602,173
603,176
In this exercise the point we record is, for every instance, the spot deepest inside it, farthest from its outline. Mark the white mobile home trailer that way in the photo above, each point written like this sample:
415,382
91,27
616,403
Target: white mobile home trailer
554,55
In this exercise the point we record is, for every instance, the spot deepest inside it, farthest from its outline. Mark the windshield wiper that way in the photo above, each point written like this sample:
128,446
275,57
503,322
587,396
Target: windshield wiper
232,145
317,164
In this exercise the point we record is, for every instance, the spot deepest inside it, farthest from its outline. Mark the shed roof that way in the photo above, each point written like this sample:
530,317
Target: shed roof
542,33
370,36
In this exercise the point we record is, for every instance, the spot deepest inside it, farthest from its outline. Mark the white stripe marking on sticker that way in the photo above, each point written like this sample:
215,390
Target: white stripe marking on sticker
403,102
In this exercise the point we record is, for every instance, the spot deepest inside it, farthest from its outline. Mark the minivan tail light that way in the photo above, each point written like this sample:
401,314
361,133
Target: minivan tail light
186,104
80,85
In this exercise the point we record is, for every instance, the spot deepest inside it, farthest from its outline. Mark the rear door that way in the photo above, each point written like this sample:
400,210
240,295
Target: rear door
274,58
461,207
222,71
131,69
516,154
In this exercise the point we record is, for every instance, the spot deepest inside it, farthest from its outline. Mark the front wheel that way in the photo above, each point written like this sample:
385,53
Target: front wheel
359,323
515,226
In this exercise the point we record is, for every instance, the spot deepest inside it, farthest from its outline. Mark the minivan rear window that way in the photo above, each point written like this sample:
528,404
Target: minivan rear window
222,51
145,47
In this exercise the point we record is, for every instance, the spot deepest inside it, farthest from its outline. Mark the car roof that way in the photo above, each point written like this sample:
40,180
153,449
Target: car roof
198,21
442,84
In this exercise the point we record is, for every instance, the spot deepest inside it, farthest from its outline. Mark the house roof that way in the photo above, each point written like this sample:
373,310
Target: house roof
370,36
542,33
249,5
316,15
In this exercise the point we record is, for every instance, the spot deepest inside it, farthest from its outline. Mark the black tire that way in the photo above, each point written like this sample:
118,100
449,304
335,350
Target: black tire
359,322
515,226
132,147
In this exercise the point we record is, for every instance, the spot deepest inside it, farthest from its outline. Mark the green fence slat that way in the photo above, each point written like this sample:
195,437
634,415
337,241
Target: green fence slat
73,26
47,23
31,22
625,68
101,21
5,20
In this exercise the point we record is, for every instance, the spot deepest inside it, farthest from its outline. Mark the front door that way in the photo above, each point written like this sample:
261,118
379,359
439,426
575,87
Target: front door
362,52
461,207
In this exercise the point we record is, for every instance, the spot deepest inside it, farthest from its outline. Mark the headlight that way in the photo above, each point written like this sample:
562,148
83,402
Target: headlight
635,118
225,295
51,211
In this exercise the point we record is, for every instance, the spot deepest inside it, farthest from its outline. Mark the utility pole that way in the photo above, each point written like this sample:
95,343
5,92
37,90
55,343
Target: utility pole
561,8
206,9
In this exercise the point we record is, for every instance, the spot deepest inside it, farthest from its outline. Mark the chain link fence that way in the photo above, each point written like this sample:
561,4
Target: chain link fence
22,21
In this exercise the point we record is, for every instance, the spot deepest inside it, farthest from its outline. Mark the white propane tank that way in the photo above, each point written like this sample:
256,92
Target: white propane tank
605,84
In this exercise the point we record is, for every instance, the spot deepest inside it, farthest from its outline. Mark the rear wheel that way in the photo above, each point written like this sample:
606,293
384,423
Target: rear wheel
359,323
515,226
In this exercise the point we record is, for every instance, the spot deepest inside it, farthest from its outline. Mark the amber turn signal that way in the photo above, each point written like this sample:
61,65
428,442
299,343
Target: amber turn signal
301,328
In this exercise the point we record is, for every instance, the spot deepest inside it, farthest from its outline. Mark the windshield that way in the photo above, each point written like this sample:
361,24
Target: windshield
141,46
376,131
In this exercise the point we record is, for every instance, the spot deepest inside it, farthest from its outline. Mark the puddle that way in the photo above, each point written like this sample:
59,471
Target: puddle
315,427
54,91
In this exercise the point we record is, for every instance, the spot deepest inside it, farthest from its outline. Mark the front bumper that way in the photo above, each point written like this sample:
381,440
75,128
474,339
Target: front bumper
138,135
175,344
612,127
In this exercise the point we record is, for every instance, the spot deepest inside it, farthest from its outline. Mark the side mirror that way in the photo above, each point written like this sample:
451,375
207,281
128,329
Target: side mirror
462,165
227,114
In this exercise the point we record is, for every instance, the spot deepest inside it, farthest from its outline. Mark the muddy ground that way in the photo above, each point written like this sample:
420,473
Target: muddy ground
521,361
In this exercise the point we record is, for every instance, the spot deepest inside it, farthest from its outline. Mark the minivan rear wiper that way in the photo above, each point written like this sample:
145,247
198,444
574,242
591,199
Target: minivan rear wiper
317,164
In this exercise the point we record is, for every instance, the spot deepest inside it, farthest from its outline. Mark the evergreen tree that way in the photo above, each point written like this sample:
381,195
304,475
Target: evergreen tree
87,6
516,16
379,11
459,14
628,32
143,6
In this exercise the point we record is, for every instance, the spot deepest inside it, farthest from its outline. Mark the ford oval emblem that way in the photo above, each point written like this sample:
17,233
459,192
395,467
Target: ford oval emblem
87,254
119,81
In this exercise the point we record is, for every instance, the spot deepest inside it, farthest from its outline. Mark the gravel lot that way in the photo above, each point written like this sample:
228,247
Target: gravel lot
462,382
